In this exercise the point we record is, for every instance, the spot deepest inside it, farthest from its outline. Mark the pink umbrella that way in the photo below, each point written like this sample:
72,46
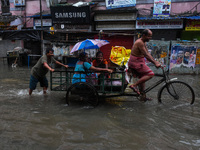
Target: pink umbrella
89,44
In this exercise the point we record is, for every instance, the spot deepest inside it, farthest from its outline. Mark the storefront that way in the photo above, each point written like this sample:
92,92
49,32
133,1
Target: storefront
168,28
69,25
192,28
29,40
186,52
117,26
181,56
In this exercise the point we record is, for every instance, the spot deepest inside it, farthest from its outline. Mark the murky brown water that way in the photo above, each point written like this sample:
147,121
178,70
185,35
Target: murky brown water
122,123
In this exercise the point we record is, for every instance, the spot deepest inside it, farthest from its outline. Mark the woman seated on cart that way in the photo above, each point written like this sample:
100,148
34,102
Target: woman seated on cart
83,65
100,62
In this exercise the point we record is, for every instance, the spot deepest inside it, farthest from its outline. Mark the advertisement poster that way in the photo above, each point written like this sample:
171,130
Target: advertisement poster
182,56
110,4
159,50
162,8
19,2
198,56
61,50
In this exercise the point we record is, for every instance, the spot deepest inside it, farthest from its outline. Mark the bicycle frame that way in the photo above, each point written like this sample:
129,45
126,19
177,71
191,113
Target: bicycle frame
165,79
155,84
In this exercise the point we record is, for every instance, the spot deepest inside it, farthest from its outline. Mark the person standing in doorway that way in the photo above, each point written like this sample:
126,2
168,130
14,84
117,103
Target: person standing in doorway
41,68
137,63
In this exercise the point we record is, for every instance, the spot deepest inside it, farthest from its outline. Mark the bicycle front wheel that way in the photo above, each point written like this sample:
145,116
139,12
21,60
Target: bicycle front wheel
176,92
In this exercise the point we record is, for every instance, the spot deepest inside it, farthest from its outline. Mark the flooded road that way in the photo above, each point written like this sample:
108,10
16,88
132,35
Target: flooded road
41,122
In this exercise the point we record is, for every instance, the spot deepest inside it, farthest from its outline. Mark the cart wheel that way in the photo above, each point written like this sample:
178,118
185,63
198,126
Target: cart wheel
82,92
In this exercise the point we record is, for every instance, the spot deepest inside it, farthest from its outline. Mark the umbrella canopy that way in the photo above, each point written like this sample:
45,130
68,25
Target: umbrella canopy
89,44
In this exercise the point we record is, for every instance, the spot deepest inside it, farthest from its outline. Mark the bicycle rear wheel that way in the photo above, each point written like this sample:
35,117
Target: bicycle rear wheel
176,92
82,92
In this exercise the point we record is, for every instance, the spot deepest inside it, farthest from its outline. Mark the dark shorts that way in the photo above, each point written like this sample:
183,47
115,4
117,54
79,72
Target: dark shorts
33,82
138,65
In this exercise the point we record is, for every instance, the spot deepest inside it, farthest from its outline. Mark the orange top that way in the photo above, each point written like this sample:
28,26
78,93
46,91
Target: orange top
104,62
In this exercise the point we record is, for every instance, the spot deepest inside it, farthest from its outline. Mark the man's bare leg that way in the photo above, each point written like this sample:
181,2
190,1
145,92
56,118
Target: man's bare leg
142,80
143,95
44,90
30,91
141,83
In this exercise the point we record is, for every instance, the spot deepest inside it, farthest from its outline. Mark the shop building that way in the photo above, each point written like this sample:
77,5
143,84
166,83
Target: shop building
169,26
119,24
116,26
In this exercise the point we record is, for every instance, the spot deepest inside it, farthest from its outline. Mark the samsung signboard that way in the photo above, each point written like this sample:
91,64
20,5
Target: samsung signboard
70,15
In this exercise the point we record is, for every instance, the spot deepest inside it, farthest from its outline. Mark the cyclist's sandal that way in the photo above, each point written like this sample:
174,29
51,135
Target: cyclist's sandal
134,89
148,99
145,99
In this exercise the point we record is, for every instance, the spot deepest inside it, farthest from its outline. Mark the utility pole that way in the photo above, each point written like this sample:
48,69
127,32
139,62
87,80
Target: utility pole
41,27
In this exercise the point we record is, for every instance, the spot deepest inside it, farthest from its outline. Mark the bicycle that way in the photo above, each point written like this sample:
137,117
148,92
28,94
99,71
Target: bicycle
173,90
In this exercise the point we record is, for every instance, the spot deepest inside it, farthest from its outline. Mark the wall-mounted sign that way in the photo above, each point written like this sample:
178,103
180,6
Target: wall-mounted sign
192,25
45,22
70,15
110,4
162,24
62,26
162,8
116,16
19,2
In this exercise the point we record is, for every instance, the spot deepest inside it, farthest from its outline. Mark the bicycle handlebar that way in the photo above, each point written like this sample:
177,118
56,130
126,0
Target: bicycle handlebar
164,73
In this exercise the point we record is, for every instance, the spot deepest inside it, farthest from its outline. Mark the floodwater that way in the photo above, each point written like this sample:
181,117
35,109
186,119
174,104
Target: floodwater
41,122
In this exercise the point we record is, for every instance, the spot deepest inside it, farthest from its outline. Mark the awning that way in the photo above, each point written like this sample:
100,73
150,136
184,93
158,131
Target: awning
28,34
38,16
192,17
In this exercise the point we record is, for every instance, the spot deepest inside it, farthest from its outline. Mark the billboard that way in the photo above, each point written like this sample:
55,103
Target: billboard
19,2
162,8
110,4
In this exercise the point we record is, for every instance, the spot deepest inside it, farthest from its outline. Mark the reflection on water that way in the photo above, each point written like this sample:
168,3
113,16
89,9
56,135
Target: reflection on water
122,123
